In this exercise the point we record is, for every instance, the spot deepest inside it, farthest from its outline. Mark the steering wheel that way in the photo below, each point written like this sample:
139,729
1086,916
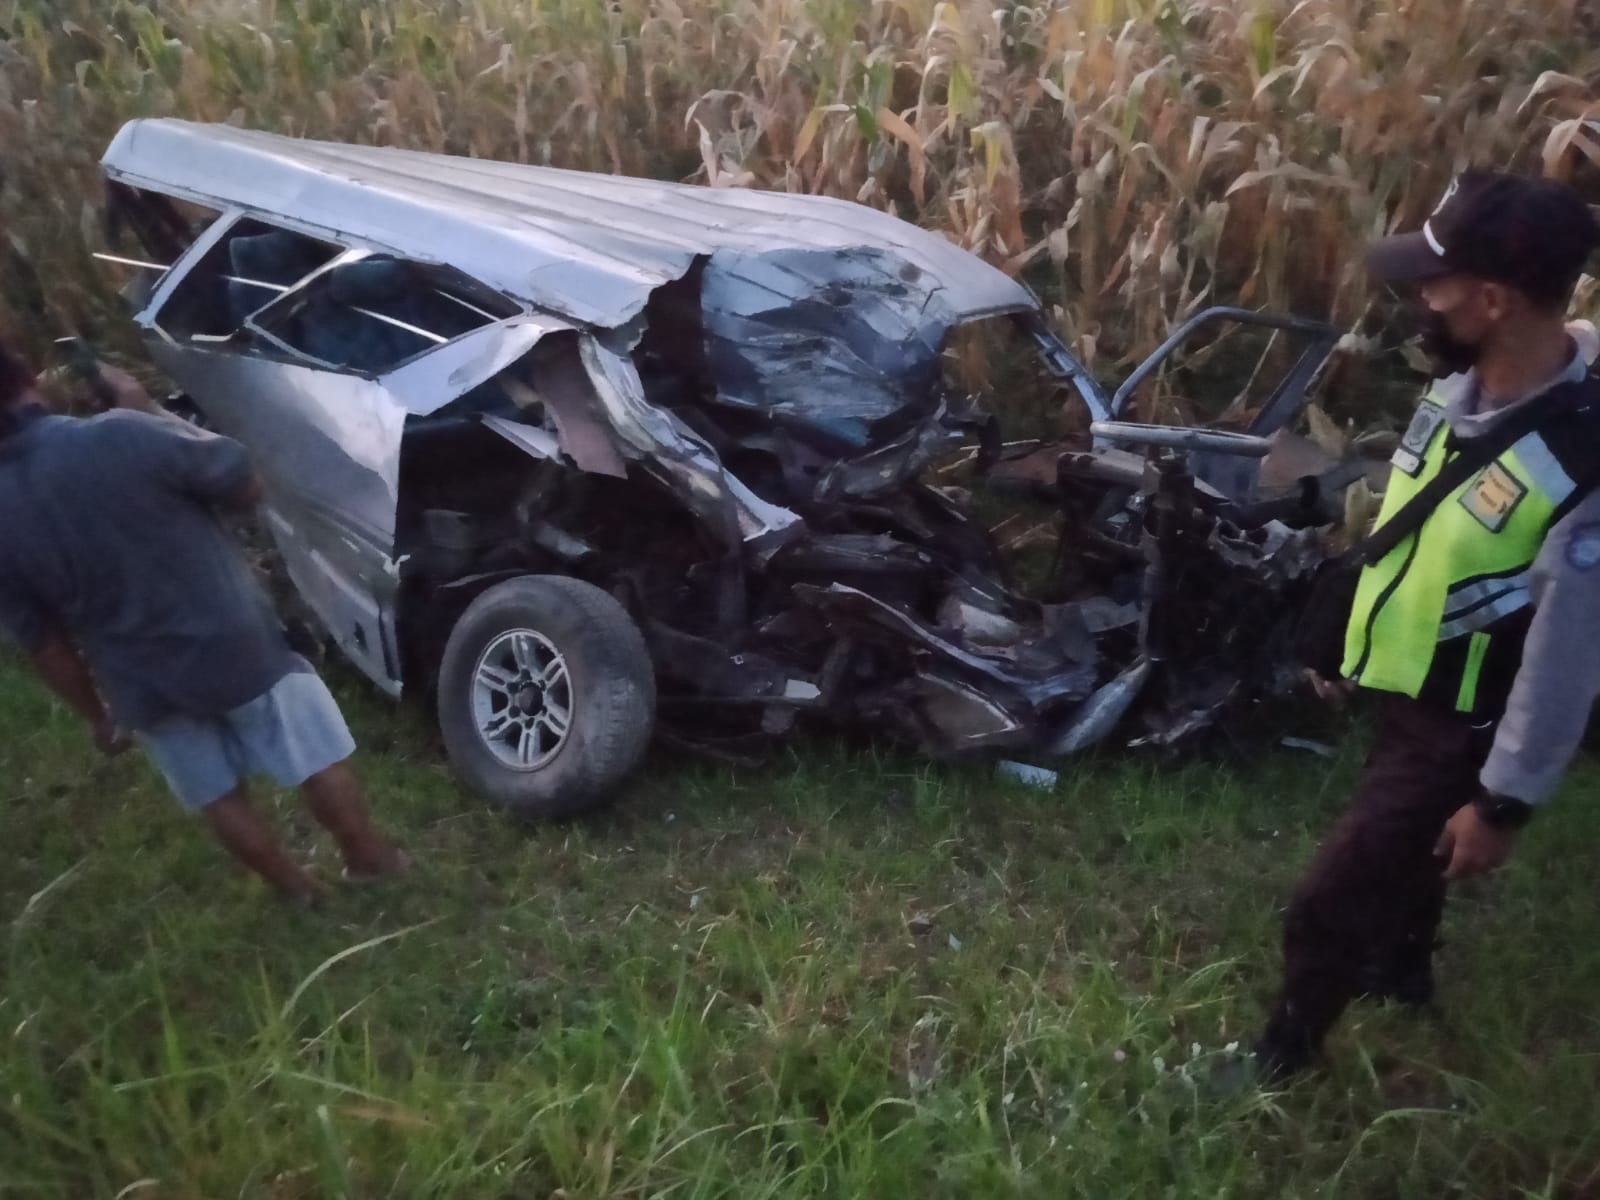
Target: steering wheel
1217,441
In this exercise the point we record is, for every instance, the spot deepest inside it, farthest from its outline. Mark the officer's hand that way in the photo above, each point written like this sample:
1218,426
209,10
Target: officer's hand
1470,846
1330,691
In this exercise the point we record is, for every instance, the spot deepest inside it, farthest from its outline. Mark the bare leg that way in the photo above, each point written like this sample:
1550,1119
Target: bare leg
248,837
336,801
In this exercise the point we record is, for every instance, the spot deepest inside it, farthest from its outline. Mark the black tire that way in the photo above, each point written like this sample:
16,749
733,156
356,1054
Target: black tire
611,701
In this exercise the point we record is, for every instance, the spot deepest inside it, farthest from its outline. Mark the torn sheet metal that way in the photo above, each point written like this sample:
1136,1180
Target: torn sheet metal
566,396
540,443
961,716
890,465
840,338
429,383
1093,721
979,625
855,553
1036,672
588,247
669,447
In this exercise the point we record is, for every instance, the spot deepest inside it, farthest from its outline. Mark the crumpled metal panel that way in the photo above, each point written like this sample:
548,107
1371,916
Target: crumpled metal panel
530,439
668,447
889,465
322,441
839,337
427,384
589,247
567,396
1097,716
330,441
963,716
1038,675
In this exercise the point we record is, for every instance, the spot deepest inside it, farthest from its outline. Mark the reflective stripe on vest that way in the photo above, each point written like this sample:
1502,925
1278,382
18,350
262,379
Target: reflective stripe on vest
1464,573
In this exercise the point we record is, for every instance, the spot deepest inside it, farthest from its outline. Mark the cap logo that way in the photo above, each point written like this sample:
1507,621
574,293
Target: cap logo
1433,241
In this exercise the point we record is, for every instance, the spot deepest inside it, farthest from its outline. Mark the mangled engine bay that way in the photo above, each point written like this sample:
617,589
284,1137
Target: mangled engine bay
772,482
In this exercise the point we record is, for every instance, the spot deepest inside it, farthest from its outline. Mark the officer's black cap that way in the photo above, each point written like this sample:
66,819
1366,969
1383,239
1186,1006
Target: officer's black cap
1535,235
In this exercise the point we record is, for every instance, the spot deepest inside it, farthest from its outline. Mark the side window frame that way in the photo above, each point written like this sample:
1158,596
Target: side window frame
178,272
436,341
181,272
263,342
146,218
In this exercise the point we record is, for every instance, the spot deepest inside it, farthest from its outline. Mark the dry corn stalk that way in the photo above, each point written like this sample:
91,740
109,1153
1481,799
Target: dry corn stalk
1132,159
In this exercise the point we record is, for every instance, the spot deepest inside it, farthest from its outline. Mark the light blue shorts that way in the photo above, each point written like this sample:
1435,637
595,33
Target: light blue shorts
289,734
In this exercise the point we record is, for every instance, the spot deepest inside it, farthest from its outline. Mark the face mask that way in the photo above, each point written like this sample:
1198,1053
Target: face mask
1449,354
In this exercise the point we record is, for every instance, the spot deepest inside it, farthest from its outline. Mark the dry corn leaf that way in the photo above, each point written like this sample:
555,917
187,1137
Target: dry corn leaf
1324,432
386,1116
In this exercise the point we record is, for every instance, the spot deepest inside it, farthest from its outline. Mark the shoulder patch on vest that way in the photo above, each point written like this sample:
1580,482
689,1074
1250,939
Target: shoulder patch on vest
1583,547
1492,496
1408,456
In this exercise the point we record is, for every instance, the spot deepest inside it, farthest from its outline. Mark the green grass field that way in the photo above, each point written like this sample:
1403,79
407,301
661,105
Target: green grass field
842,975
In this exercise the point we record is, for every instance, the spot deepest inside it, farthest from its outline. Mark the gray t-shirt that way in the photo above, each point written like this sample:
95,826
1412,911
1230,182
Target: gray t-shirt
109,534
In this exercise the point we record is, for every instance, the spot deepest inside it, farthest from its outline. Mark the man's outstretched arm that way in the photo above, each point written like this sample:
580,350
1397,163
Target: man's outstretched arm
214,469
57,662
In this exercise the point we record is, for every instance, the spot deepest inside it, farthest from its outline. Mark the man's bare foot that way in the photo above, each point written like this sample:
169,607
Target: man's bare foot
336,801
248,837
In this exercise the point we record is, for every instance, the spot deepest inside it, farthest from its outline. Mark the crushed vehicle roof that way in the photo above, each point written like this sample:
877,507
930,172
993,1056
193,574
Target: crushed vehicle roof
589,247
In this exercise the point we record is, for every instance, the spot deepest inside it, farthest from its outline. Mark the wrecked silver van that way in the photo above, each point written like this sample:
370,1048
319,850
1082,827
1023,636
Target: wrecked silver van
561,449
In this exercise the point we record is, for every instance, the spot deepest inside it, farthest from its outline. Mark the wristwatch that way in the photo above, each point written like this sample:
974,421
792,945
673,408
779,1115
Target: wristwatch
1502,812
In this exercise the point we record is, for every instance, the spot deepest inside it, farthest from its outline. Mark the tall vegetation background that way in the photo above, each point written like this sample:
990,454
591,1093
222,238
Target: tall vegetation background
1132,160
853,974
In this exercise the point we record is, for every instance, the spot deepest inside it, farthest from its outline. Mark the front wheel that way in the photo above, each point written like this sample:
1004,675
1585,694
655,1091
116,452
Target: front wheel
546,696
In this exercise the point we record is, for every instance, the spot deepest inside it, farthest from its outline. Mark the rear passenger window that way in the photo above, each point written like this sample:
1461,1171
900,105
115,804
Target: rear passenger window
374,312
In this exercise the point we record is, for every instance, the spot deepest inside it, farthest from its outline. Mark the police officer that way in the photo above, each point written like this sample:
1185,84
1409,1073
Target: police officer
1475,633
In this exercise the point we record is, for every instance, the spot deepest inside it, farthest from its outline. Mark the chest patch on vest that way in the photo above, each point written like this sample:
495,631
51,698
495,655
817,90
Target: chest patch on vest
1492,496
1408,456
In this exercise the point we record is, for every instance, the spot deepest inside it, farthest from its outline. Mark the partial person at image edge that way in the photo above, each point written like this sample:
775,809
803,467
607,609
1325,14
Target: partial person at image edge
137,608
1475,632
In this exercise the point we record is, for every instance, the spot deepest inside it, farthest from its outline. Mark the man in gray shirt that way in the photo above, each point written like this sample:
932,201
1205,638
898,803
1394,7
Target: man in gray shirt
1474,633
137,608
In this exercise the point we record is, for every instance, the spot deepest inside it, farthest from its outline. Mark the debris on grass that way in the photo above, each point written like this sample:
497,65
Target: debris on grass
1322,749
1039,777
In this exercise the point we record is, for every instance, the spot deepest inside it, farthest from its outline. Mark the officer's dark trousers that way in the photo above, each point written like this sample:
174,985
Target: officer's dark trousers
1370,902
